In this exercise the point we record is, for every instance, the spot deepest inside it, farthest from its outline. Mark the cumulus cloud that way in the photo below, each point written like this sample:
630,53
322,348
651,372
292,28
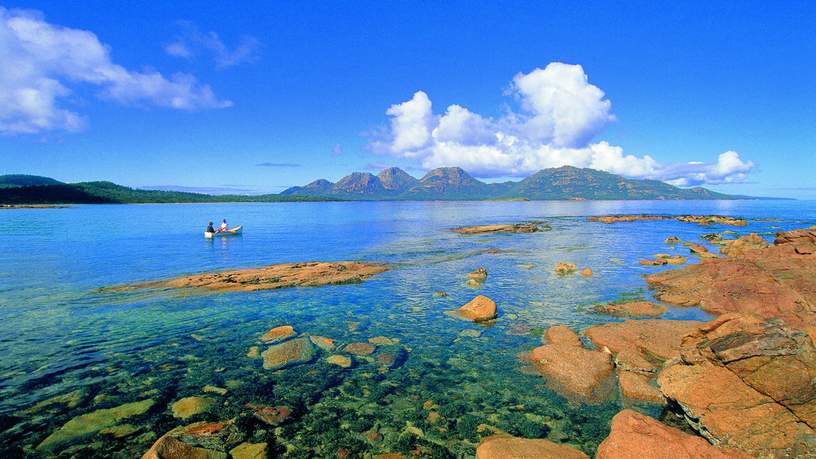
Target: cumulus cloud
191,41
729,168
41,61
560,114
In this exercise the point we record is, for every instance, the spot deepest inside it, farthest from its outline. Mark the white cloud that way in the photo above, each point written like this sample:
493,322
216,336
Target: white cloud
411,123
563,108
42,61
729,168
190,41
561,113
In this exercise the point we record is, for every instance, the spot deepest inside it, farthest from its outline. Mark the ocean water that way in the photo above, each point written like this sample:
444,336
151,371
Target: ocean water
61,336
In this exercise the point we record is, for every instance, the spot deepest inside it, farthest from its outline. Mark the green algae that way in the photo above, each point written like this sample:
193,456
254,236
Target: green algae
86,425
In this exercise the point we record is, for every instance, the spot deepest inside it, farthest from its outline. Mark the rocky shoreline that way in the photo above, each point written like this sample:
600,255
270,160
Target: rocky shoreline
743,381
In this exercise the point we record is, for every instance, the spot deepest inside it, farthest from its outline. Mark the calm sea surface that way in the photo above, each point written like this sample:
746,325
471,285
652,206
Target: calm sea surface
60,335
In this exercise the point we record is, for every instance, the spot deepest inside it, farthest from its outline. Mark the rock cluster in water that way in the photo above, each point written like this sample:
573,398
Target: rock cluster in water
698,219
310,274
502,228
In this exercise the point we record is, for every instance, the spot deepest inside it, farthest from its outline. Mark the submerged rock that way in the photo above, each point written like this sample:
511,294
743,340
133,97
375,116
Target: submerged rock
341,361
288,353
361,349
383,341
190,406
70,400
672,240
310,274
778,281
509,447
214,390
277,334
89,424
392,357
747,383
249,451
631,309
326,344
120,431
200,440
499,228
586,272
478,309
563,268
254,352
570,368
635,435
271,415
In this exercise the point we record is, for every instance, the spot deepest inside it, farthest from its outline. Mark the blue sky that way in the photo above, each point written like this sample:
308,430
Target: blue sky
207,95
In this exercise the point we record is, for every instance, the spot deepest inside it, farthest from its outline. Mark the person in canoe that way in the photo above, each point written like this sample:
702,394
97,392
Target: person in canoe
223,226
210,228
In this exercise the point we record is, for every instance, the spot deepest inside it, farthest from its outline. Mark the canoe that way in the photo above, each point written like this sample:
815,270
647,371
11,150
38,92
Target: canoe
230,232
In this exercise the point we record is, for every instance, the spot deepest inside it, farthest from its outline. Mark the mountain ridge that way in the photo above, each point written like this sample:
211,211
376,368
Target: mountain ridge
453,183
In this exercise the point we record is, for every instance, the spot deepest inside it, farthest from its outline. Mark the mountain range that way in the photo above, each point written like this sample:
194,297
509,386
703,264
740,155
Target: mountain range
445,183
453,183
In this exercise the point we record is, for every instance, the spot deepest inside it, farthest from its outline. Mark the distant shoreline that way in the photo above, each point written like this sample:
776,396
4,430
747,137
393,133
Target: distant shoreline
34,206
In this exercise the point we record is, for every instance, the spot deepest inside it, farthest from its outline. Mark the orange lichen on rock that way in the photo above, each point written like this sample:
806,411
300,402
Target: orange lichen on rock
637,435
747,383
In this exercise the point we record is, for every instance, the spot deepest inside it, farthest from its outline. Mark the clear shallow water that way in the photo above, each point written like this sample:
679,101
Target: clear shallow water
59,334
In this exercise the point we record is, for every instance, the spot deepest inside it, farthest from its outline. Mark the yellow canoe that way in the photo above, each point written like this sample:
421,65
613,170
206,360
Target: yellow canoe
230,232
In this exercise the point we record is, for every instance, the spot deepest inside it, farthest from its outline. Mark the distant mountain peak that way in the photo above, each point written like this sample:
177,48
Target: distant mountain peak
359,183
396,179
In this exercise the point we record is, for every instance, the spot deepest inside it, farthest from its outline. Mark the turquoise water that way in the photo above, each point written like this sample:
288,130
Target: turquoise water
60,335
